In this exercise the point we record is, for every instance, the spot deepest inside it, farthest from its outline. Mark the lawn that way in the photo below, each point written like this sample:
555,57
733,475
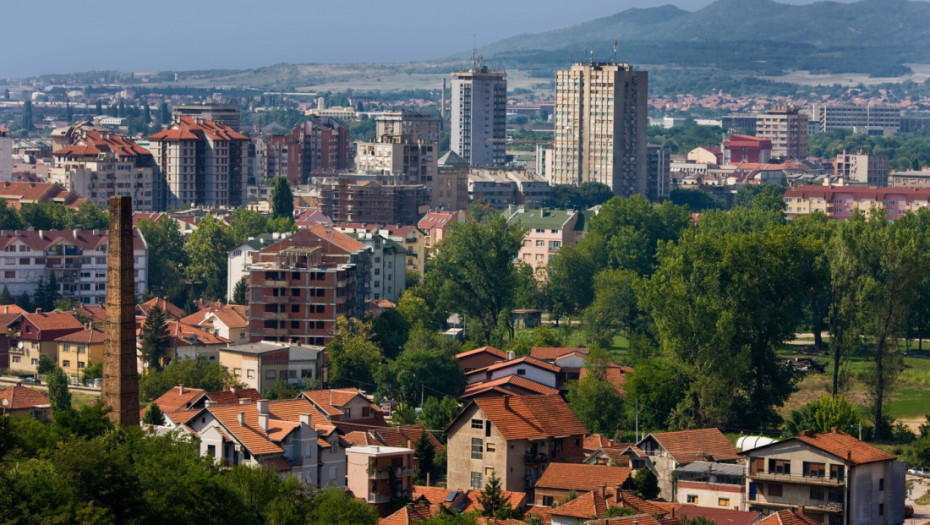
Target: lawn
78,399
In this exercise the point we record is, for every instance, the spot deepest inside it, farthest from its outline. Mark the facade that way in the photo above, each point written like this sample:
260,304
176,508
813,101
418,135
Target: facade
834,476
909,179
600,127
6,155
227,321
666,452
492,188
450,191
544,160
299,286
240,258
379,474
262,364
713,485
203,163
480,358
526,367
33,335
371,199
512,437
743,123
868,120
18,400
319,145
79,350
349,409
75,259
388,274
547,231
479,115
786,128
99,164
706,155
409,126
225,114
658,172
745,148
871,170
840,202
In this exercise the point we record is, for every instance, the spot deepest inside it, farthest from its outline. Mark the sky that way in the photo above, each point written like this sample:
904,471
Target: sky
58,36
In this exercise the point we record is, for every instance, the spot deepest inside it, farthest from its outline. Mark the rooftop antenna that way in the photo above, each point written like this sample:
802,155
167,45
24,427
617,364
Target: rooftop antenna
475,59
615,51
591,52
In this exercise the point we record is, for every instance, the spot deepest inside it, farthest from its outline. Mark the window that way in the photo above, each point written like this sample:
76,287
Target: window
270,375
477,423
838,472
881,509
723,502
815,470
80,365
489,471
237,372
487,428
817,494
347,412
476,447
881,484
250,373
774,489
490,447
211,450
521,371
547,501
692,499
66,363
476,480
779,466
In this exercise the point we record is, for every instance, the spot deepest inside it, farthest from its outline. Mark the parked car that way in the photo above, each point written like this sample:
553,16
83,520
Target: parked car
33,380
908,511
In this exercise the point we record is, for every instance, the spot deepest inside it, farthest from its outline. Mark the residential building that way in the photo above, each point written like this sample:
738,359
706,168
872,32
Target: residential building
78,350
796,516
18,400
547,230
834,476
481,358
74,260
527,367
379,475
300,285
99,164
492,188
181,404
600,127
544,153
6,155
371,199
319,145
513,385
840,202
595,504
909,179
261,364
479,115
203,162
450,190
658,172
186,342
33,335
742,123
870,170
667,451
710,484
8,314
162,303
409,126
348,409
561,479
867,120
706,155
18,193
224,114
388,274
435,224
786,127
227,321
512,437
281,435
240,258
745,148
440,499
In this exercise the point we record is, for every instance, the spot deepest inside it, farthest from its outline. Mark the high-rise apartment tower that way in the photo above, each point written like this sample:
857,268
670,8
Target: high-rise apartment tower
479,115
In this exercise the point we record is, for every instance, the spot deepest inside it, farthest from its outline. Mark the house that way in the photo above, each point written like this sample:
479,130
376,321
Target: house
718,515
181,403
834,476
547,231
379,474
34,335
481,358
8,314
463,501
169,309
561,479
507,386
666,451
709,484
514,437
636,519
406,436
79,350
347,408
288,436
529,367
21,401
616,374
595,504
262,364
550,354
228,321
788,517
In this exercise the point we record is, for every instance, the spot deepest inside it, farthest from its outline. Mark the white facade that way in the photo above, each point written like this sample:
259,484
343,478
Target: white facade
388,275
522,369
240,259
6,156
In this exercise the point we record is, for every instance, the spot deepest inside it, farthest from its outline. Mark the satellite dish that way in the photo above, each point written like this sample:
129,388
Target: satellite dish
19,345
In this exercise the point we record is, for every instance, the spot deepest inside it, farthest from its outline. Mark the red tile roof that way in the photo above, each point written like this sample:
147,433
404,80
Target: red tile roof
411,513
91,336
93,143
844,446
43,239
595,503
336,238
830,193
18,193
191,128
48,321
405,436
638,519
11,309
510,386
436,219
718,515
230,315
179,398
233,397
164,304
787,517
329,401
465,501
20,398
553,353
597,441
484,349
529,360
692,445
530,417
581,477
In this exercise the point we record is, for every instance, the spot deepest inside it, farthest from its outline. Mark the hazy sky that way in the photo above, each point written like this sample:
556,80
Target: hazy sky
57,36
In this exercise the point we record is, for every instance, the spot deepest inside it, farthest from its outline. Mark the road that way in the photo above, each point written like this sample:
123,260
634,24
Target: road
921,512
12,380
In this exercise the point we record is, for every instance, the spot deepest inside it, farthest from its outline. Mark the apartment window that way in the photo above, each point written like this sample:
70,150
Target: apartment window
723,502
66,363
347,412
476,480
489,471
817,494
476,447
250,373
521,371
779,466
477,423
81,365
490,447
774,490
295,308
692,499
881,484
838,472
270,375
815,470
881,509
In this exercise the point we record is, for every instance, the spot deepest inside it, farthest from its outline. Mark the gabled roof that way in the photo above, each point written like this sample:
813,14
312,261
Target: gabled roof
553,353
230,315
463,501
20,398
415,512
331,400
233,396
637,519
529,417
11,309
581,477
838,444
452,159
510,385
283,419
435,219
93,143
88,336
336,238
179,398
597,441
691,445
595,503
193,128
47,321
164,304
719,515
529,360
405,436
484,349
787,517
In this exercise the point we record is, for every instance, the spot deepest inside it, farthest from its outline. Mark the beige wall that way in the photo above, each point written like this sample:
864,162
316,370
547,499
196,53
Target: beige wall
78,356
506,460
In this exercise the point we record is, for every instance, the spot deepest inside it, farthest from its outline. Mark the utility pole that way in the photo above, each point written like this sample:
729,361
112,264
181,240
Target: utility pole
637,421
421,395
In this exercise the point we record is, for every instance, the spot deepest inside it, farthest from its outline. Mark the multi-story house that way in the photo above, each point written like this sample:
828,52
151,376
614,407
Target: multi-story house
78,350
99,164
371,199
871,170
710,484
379,475
909,179
514,438
388,276
6,155
240,258
479,115
600,127
260,365
225,114
300,285
840,202
547,231
347,408
668,451
203,162
320,145
34,335
227,321
745,148
658,172
481,358
435,224
281,435
450,190
492,188
526,367
595,504
18,193
786,127
8,314
836,478
76,260
868,119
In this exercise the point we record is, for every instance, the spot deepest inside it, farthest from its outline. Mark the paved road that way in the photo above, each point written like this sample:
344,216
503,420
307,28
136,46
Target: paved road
12,380
921,512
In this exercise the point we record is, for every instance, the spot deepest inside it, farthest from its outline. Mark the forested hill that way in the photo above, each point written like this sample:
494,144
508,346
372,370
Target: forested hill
874,36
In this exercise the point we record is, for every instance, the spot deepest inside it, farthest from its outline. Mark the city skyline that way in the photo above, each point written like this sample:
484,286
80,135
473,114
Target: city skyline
282,31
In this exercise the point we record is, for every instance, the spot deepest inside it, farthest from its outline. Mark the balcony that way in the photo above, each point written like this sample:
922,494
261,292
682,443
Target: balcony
820,506
792,478
275,284
535,459
378,498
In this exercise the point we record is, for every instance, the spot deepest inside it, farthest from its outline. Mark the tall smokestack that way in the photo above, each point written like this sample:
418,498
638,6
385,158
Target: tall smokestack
120,376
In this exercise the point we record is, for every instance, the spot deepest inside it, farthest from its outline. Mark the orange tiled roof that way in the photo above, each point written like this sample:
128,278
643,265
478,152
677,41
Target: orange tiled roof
715,514
691,445
596,441
19,397
553,353
489,349
468,503
179,398
638,519
89,336
163,303
595,503
330,400
404,437
581,477
531,417
844,446
525,359
191,128
336,238
18,193
500,386
230,397
93,143
11,309
411,513
257,441
787,517
54,321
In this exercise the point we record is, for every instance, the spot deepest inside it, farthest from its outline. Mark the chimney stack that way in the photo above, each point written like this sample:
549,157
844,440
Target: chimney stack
245,401
603,491
262,406
304,419
208,404
263,422
180,390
